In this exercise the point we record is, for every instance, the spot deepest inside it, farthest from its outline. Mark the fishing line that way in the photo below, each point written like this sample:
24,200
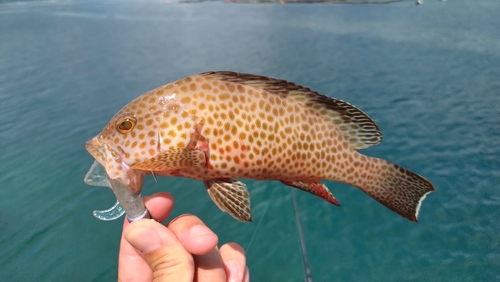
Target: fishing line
307,270
260,221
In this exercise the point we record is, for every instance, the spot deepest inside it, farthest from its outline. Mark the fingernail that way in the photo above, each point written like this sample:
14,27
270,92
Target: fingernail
199,230
143,239
234,274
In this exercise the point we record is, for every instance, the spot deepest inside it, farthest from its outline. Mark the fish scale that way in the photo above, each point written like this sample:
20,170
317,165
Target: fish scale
219,126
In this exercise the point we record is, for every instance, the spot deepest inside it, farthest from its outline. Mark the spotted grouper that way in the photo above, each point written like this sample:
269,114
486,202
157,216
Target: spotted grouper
220,126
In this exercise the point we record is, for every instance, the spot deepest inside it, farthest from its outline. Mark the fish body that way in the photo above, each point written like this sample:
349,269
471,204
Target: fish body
219,126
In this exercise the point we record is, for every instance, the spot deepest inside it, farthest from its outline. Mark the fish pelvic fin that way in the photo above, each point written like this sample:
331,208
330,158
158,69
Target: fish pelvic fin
397,188
230,196
316,188
173,159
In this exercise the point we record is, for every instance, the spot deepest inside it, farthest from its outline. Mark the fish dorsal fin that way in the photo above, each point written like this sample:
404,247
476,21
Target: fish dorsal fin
360,130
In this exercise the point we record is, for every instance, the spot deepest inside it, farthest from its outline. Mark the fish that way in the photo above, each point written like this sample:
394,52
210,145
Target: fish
221,126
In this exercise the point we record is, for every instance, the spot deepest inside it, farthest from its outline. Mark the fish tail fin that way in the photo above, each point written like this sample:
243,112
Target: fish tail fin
397,188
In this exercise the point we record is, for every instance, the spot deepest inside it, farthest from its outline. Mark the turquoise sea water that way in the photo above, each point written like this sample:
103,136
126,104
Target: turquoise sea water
428,75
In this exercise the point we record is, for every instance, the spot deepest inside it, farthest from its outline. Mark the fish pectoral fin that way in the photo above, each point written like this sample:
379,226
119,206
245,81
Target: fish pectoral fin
316,188
230,196
173,159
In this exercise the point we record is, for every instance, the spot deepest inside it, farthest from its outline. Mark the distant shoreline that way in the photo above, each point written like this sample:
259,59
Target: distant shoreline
299,1
314,1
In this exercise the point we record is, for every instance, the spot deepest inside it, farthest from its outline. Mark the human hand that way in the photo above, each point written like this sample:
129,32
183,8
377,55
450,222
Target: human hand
184,250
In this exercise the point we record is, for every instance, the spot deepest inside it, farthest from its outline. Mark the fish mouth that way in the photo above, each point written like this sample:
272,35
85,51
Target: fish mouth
103,153
95,148
113,164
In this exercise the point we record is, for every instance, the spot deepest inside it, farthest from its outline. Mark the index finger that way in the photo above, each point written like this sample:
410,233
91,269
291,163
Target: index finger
199,240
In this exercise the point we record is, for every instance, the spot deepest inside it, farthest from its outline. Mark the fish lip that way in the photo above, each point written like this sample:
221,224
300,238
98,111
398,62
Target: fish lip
101,150
94,147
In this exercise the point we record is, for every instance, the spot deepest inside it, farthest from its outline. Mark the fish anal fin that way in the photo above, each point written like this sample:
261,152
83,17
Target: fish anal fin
173,159
316,188
230,196
360,130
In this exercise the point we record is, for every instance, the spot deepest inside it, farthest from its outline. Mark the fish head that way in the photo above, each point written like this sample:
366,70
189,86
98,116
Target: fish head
108,149
141,135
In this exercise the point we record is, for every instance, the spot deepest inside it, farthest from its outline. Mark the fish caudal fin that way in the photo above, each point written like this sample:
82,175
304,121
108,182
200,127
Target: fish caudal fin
230,196
397,188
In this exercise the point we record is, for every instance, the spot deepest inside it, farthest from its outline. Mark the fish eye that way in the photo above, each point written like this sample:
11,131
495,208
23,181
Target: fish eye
125,124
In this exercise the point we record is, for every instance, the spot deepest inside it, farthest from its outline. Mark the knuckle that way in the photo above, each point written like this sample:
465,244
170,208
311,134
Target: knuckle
168,266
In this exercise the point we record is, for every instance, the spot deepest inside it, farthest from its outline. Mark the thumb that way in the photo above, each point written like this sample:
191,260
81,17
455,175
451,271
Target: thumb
160,248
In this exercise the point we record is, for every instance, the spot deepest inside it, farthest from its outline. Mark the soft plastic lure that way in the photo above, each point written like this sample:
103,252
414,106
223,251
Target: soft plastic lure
127,201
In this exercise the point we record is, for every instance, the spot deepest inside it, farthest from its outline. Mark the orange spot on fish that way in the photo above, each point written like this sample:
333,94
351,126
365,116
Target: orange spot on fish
230,87
206,86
